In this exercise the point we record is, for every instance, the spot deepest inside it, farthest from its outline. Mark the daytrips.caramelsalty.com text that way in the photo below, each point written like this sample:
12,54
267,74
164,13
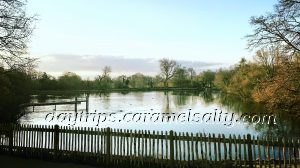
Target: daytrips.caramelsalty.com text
215,117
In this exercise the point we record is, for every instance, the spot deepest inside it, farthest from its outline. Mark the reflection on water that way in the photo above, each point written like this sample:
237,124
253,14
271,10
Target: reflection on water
150,103
286,125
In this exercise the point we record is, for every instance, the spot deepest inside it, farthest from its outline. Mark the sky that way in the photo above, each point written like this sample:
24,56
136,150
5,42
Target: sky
131,36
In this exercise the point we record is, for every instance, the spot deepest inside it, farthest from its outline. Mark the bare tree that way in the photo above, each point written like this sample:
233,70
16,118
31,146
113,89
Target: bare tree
105,73
280,28
104,79
269,59
168,68
15,30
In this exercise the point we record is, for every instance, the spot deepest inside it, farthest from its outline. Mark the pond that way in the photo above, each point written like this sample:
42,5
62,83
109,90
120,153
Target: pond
181,111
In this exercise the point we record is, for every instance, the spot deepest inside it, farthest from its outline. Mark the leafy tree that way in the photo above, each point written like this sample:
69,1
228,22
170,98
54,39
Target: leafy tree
47,82
281,89
207,79
88,84
223,78
121,82
137,81
245,78
70,81
150,82
181,78
15,87
158,81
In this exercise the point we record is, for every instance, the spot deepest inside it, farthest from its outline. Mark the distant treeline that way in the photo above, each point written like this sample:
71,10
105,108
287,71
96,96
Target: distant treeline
182,78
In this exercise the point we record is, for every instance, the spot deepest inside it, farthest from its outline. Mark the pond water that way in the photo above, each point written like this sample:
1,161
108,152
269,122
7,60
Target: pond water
204,112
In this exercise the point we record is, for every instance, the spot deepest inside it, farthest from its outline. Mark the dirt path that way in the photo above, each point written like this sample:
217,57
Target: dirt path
7,161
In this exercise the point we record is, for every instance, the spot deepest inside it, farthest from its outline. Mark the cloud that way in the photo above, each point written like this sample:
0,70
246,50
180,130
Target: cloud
90,65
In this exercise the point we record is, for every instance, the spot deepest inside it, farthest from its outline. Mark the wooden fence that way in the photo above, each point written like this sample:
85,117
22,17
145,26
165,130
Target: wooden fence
76,102
127,148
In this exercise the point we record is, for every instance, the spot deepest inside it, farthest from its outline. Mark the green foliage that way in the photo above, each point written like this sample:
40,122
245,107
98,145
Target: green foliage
139,80
245,78
103,83
121,82
241,80
223,77
44,82
181,78
15,88
207,79
70,80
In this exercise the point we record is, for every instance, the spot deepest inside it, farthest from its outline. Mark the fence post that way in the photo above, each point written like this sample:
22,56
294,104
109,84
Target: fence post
87,103
249,143
11,138
171,138
108,144
295,145
56,140
75,104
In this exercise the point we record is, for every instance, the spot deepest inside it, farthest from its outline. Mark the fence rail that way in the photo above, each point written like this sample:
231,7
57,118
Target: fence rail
128,148
33,105
58,103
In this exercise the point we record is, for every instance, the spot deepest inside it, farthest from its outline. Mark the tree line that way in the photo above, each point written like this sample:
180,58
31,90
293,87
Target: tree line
171,75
